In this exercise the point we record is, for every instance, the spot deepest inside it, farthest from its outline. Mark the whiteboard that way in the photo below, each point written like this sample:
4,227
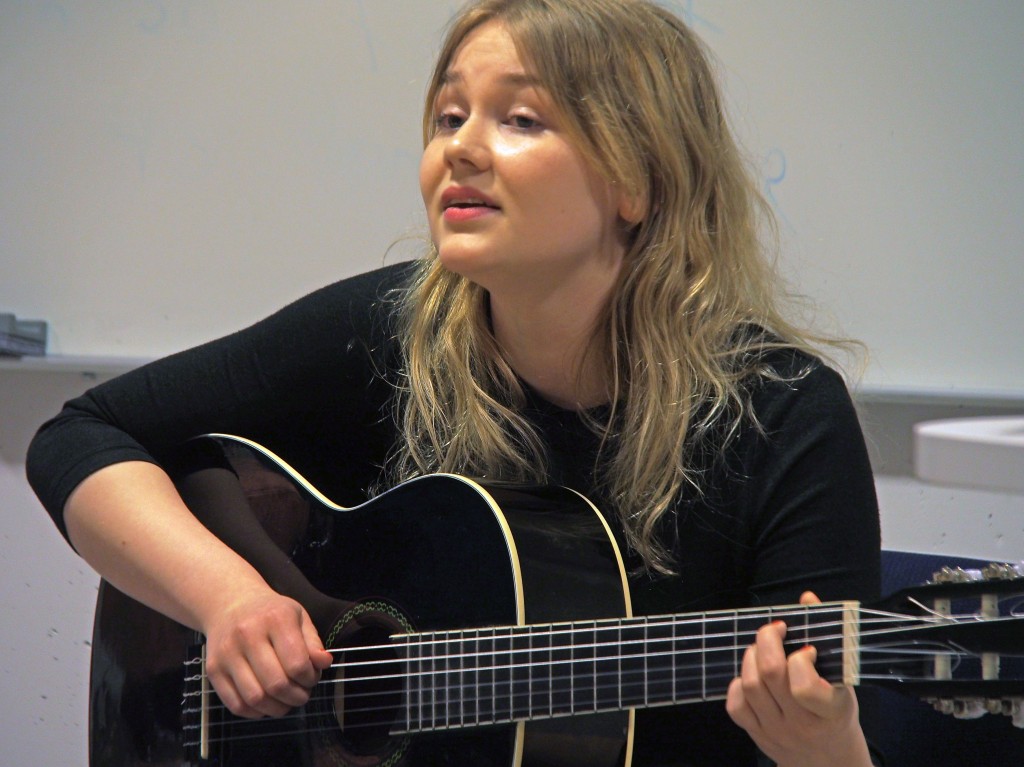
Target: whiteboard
171,171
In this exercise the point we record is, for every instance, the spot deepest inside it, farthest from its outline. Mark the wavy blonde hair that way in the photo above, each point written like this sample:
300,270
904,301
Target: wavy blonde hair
696,304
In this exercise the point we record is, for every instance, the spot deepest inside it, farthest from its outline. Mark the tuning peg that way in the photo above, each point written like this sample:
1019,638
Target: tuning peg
961,709
956,575
1004,706
973,708
1011,707
1002,571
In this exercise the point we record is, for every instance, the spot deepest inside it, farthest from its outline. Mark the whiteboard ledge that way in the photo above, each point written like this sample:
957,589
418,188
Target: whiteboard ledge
906,395
74,364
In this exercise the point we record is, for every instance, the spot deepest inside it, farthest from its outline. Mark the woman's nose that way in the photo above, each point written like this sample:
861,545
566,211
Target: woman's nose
469,146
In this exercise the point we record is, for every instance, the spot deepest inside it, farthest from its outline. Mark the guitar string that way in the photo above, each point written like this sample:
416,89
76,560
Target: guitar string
616,675
473,716
497,715
899,622
511,651
591,628
896,623
890,652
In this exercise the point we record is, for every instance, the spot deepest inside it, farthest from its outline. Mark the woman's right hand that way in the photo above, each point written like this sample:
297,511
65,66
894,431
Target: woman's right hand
263,655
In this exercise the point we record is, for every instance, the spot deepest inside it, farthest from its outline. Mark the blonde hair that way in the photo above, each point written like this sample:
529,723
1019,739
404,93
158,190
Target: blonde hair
696,305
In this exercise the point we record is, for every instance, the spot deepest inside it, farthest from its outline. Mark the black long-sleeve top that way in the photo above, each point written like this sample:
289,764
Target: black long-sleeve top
788,507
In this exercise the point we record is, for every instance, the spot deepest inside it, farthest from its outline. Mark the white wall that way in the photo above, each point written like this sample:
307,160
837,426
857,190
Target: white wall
171,170
221,158
47,595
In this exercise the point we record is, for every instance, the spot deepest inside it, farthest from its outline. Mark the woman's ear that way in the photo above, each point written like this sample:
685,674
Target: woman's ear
632,207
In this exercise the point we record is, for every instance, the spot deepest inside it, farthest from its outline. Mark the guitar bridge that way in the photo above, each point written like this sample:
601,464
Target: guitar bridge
195,707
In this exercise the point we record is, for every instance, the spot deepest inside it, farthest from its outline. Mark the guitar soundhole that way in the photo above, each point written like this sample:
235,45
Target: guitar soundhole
366,696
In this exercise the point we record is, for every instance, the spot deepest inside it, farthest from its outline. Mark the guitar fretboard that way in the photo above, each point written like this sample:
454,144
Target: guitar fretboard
494,675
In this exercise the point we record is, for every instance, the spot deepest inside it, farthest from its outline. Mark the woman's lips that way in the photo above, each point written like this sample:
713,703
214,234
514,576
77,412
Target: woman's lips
460,213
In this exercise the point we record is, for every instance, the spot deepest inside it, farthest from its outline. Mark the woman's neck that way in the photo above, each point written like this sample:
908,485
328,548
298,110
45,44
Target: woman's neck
552,344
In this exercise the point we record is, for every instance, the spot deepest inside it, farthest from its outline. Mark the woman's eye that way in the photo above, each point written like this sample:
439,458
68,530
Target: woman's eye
446,121
524,122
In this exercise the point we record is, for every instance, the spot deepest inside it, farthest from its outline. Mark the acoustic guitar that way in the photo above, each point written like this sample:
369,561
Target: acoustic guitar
496,630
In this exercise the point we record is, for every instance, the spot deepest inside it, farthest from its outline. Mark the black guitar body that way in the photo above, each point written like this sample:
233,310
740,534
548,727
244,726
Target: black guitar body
534,555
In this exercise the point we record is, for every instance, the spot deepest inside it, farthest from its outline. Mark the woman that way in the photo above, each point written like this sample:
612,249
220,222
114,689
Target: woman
596,310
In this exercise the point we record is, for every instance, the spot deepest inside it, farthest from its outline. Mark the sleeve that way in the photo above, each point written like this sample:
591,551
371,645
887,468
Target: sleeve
811,494
309,364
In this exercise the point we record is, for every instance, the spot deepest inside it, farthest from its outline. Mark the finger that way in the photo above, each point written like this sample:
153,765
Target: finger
231,697
771,673
320,657
737,707
759,698
285,671
227,670
814,693
292,657
253,697
809,598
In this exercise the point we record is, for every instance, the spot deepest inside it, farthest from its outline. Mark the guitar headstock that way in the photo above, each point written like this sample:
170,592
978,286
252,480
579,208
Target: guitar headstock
957,641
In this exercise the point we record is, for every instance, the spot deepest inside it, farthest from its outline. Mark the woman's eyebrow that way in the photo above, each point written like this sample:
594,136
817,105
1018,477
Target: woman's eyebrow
516,79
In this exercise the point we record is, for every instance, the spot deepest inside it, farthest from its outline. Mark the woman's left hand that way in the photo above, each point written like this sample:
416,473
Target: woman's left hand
796,718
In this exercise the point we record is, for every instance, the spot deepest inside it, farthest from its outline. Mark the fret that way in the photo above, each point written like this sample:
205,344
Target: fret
464,678
486,662
501,676
471,679
503,686
607,667
646,648
521,698
677,661
584,667
413,684
539,661
436,695
442,687
736,644
633,663
424,664
722,644
453,711
440,668
703,657
664,654
677,653
572,674
618,650
483,704
563,670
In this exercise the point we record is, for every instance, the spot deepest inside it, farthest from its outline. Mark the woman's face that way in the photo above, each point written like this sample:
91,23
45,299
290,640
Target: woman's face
509,199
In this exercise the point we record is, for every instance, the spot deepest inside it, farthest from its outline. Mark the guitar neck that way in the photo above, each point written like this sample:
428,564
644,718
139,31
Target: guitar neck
494,675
